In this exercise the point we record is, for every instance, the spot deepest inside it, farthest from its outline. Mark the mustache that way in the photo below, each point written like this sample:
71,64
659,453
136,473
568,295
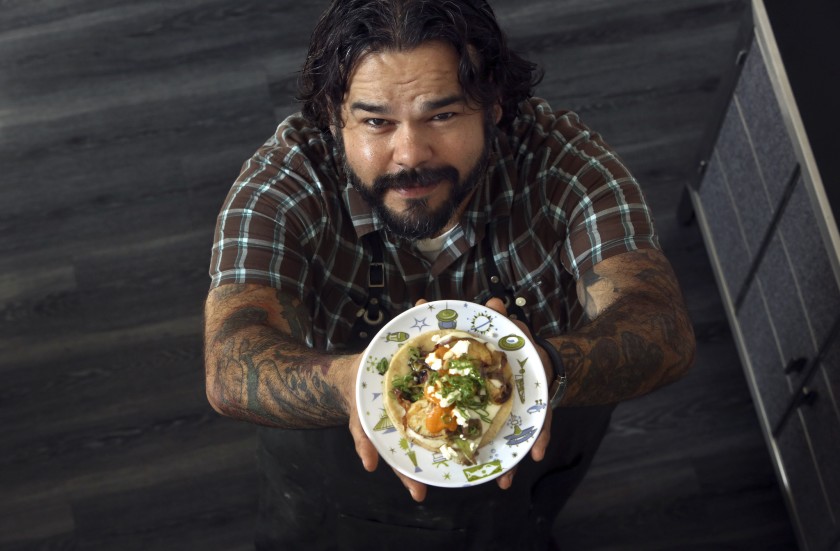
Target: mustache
415,178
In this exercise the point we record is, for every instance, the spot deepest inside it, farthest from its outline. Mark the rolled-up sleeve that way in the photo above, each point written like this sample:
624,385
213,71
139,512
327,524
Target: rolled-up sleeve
596,204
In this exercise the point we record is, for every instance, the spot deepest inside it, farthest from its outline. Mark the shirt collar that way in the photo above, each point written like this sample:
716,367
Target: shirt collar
364,219
362,216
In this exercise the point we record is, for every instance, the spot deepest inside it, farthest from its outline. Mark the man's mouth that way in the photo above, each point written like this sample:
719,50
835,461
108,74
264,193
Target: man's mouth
416,189
415,183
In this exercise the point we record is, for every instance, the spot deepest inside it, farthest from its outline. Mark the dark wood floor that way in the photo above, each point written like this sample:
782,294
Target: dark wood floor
122,125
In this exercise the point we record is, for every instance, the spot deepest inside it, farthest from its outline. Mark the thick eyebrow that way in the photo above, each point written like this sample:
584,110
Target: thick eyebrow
426,106
369,107
443,102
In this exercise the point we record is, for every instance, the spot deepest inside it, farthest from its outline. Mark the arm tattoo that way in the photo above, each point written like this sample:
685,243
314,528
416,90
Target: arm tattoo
267,376
597,291
295,315
638,338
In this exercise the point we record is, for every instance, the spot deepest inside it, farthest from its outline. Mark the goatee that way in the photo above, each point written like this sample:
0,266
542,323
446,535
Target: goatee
419,220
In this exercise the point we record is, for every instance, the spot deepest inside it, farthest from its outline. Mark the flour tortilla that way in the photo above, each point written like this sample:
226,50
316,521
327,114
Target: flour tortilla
399,367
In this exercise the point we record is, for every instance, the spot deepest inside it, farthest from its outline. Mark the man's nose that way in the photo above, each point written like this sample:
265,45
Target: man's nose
412,146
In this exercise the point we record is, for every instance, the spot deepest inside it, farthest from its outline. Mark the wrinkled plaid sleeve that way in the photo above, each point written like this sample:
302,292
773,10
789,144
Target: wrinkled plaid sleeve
595,204
270,218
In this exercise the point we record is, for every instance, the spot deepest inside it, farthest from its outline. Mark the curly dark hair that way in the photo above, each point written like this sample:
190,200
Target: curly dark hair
488,70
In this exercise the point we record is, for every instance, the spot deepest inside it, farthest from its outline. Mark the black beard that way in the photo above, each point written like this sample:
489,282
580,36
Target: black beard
419,221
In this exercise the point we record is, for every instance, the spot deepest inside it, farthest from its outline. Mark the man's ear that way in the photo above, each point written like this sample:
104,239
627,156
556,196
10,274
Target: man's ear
497,112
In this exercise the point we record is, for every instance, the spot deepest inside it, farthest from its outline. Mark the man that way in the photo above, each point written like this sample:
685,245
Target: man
421,168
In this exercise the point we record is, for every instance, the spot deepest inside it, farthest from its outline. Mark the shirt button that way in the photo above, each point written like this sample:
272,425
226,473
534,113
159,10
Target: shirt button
520,301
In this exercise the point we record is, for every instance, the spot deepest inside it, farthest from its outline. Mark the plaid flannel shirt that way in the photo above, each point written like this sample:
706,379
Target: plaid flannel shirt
555,201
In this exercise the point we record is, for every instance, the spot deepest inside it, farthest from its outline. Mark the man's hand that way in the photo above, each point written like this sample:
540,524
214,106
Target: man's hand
365,448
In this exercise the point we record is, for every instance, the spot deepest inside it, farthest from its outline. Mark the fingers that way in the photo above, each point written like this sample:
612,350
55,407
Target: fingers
497,304
506,480
364,447
416,489
370,458
541,445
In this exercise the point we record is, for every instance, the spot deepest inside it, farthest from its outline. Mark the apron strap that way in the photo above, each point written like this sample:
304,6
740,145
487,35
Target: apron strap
372,316
557,387
497,288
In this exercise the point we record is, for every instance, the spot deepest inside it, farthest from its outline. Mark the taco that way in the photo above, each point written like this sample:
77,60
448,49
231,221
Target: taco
449,392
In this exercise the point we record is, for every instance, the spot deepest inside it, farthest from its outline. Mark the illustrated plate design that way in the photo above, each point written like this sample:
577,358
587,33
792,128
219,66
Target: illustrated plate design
514,440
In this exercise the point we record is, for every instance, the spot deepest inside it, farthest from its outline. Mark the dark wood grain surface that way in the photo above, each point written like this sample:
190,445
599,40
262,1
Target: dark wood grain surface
122,125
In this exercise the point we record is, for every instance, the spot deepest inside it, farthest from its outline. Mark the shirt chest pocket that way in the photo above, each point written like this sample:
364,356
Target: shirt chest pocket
544,295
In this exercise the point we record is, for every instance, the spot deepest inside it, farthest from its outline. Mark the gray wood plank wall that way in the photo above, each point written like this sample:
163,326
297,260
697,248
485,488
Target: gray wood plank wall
122,125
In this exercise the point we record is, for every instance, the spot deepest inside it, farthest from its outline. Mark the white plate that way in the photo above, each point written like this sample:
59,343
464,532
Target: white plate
514,440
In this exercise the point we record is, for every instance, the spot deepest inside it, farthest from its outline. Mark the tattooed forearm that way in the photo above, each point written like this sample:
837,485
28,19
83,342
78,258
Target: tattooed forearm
639,336
259,370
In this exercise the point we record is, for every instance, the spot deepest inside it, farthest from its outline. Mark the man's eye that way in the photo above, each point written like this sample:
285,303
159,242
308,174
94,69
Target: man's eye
377,123
443,116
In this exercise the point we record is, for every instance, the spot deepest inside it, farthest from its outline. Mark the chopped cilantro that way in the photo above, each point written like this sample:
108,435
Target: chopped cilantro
408,388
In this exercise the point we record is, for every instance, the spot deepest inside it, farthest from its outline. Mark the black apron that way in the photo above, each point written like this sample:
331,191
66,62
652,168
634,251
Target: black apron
315,494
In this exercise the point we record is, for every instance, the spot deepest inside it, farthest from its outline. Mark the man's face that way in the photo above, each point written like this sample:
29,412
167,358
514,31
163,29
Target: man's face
413,145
